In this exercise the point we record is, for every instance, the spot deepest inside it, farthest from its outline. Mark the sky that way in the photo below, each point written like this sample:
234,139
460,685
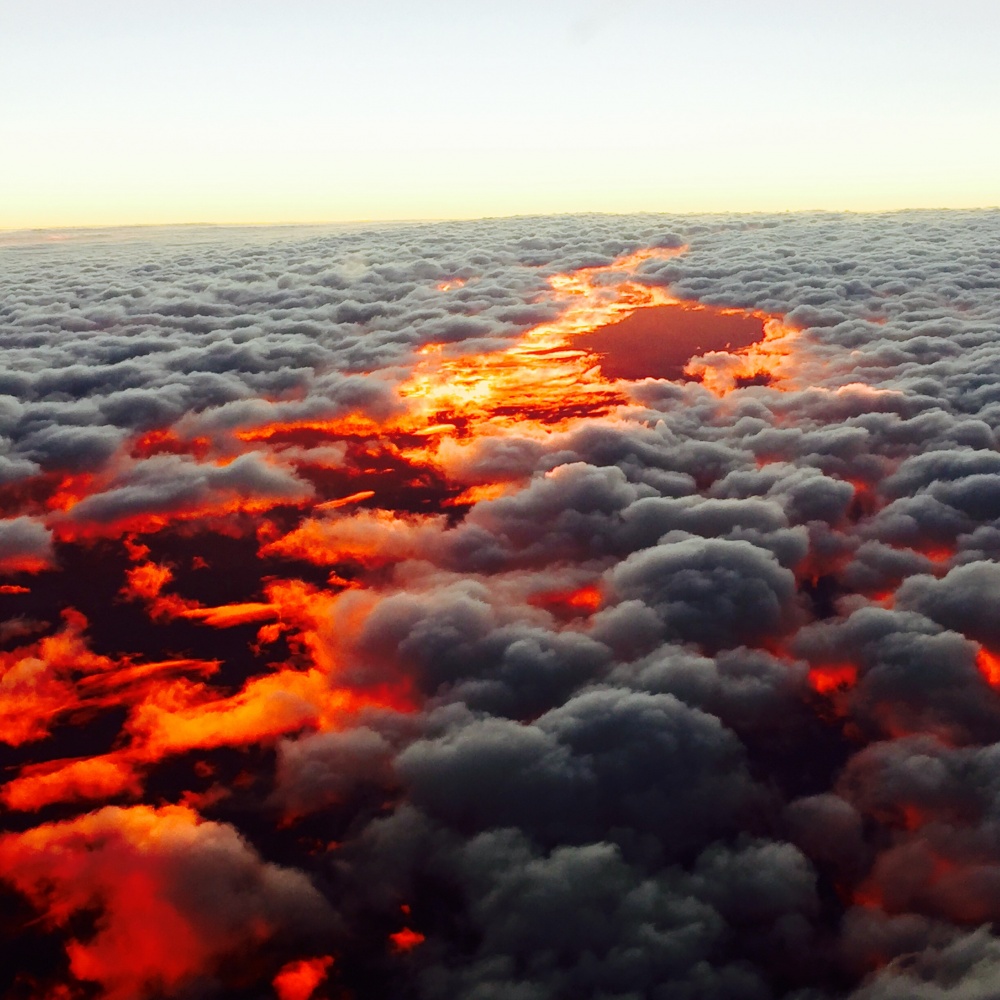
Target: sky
122,113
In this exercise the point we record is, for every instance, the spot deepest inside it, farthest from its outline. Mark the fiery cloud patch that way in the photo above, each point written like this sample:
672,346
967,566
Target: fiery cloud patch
299,980
163,881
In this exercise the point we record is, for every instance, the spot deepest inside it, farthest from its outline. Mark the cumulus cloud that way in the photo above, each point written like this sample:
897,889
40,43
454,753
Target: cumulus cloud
463,670
175,895
965,599
25,544
712,592
165,484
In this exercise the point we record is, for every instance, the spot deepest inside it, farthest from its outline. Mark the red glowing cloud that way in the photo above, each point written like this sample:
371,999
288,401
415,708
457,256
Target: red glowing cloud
161,881
406,939
299,980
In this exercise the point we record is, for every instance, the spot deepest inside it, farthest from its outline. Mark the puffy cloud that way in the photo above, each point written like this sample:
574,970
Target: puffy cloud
326,768
25,545
580,920
575,686
962,969
168,484
965,600
712,592
608,757
175,895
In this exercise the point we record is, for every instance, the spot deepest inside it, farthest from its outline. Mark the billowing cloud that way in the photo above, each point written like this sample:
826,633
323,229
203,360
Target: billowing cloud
25,545
175,896
377,623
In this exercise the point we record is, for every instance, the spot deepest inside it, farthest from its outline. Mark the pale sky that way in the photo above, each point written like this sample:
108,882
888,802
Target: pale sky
117,113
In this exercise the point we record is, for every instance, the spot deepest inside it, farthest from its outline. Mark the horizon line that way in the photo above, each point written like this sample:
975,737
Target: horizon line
417,220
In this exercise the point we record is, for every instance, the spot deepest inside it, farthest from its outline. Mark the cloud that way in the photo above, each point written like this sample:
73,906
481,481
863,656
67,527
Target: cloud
167,484
712,592
962,600
175,895
363,608
25,545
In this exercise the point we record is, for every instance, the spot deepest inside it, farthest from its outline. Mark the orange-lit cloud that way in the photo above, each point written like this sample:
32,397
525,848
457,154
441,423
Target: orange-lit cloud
37,681
406,939
298,980
86,778
146,872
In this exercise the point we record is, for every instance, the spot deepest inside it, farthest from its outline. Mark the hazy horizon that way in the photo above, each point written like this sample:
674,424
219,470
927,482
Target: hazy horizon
336,224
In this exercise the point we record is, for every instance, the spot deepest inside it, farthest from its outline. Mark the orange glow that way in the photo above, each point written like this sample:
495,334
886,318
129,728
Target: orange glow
830,678
989,666
406,939
938,553
582,601
884,597
357,494
97,778
168,711
36,681
345,501
145,582
369,538
539,385
228,615
356,424
167,442
766,363
127,681
123,861
223,506
12,588
544,383
70,491
137,551
184,716
298,980
477,494
23,564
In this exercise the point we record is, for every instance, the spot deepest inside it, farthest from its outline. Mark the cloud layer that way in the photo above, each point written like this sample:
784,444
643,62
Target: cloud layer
362,634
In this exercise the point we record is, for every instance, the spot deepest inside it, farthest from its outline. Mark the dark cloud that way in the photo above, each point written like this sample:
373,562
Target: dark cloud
712,592
964,600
